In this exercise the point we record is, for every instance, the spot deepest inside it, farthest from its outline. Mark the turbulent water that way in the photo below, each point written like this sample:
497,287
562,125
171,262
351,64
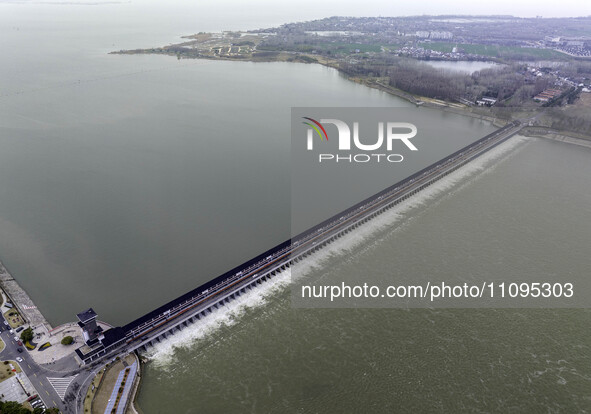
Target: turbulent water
262,355
123,174
111,178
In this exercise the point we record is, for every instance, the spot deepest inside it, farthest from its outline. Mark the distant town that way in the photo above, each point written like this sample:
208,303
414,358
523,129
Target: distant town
538,83
538,62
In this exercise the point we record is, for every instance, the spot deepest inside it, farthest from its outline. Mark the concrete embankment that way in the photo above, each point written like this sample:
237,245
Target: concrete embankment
109,382
134,407
21,301
562,136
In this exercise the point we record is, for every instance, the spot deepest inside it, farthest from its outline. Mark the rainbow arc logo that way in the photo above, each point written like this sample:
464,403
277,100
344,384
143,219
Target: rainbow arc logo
316,126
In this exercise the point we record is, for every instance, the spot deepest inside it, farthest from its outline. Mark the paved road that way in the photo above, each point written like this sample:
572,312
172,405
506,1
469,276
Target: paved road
39,374
61,379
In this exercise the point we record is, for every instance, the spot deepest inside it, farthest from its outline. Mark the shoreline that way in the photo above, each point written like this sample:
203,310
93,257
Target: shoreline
373,83
134,406
559,136
26,307
458,109
22,301
107,384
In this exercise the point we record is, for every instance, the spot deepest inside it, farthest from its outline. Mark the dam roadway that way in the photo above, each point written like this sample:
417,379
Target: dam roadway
198,303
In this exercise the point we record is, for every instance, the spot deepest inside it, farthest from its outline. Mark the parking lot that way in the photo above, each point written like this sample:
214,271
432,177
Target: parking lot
17,388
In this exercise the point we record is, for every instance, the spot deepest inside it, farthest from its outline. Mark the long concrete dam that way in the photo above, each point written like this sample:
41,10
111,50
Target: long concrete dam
199,302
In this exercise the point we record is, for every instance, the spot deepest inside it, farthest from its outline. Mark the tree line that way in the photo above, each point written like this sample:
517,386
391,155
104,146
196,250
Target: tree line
509,84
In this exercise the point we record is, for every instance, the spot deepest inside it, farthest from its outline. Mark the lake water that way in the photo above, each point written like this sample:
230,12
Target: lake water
264,356
127,180
123,174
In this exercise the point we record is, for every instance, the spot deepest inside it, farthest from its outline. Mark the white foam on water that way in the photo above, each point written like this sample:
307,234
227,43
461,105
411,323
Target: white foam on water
357,240
162,354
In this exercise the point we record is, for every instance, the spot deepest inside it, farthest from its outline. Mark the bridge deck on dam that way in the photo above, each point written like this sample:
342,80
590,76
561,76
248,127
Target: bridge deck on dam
200,301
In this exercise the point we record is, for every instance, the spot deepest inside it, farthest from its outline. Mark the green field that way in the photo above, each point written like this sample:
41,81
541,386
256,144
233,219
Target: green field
335,48
350,47
497,51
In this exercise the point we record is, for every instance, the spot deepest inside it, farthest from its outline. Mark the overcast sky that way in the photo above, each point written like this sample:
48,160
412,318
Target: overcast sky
524,8
252,14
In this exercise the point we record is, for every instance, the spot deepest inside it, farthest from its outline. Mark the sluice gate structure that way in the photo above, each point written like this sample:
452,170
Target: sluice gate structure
201,301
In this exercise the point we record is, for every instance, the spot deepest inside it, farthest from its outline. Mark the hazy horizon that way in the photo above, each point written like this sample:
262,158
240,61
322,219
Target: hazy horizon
311,10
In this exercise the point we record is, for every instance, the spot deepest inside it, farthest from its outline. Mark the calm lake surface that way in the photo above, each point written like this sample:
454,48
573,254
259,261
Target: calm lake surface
121,175
127,180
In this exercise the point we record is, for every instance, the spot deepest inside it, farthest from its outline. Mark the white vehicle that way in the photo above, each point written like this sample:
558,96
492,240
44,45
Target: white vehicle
19,359
38,404
6,323
11,332
16,339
